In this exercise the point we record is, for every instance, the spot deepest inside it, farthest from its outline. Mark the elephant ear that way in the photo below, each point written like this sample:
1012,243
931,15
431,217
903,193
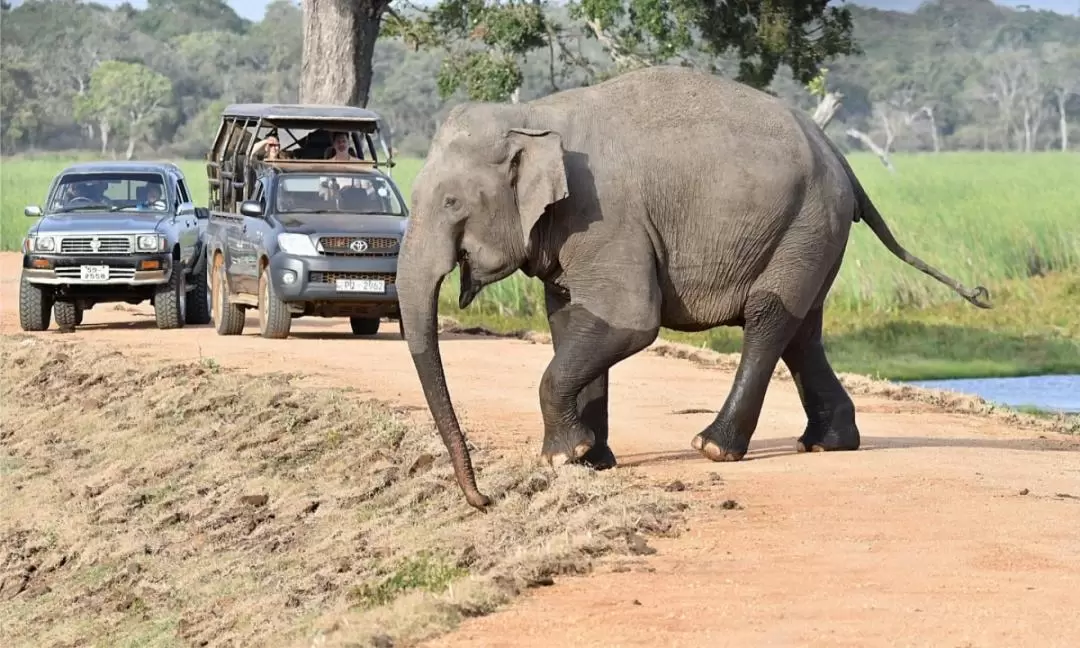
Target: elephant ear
537,173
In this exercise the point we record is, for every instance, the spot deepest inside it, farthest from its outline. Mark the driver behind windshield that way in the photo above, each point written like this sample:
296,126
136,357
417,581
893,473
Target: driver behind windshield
82,192
153,195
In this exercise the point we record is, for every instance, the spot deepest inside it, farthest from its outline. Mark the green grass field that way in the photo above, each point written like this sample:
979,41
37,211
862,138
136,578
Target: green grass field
1000,220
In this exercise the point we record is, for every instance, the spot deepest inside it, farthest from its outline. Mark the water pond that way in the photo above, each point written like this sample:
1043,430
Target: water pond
1060,393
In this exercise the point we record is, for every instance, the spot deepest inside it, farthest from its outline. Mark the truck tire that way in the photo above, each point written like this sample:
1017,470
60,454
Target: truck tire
198,299
35,306
228,317
365,325
275,321
68,315
170,303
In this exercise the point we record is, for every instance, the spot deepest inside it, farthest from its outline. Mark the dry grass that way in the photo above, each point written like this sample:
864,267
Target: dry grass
188,505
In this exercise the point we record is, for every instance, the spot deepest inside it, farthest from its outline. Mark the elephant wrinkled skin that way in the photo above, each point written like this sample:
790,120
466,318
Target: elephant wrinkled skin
663,197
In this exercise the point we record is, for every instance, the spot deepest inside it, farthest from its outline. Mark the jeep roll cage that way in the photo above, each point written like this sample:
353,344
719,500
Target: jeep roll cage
305,132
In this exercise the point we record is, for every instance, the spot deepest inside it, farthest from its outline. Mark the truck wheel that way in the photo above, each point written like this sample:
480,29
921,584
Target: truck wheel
198,300
68,315
170,303
35,306
228,317
275,320
364,325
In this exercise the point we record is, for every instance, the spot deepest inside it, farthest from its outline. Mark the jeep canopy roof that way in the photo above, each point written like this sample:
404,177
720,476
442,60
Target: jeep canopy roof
304,131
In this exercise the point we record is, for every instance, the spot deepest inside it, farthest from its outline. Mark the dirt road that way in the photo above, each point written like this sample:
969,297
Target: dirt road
944,530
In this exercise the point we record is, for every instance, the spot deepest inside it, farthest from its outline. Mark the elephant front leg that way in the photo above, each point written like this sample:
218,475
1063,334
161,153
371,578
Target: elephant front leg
768,328
592,402
830,412
574,389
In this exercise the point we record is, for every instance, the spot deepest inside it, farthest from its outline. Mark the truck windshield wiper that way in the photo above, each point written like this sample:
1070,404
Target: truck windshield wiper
304,210
76,208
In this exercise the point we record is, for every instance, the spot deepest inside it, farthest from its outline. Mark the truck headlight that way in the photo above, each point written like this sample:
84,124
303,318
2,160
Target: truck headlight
149,243
298,244
43,244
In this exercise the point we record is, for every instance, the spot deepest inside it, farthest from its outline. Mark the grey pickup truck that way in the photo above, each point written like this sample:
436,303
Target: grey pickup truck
311,228
115,232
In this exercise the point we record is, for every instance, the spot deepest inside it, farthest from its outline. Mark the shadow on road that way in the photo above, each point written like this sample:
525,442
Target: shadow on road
772,448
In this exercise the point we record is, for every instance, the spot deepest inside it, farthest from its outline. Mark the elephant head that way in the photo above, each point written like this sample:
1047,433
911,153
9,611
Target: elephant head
487,180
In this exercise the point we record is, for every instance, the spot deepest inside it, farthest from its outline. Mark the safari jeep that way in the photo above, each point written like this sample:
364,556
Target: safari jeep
114,232
293,233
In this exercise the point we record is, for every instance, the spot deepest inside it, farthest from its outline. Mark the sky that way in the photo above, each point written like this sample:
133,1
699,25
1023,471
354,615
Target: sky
254,9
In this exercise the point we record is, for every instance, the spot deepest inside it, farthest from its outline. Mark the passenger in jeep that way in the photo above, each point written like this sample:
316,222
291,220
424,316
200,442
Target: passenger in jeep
341,151
268,149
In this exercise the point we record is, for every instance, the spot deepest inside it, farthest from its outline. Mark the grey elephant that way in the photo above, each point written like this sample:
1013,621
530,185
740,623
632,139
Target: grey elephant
663,197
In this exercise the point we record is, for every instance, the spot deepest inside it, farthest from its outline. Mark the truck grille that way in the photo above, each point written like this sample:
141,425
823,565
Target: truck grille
103,245
377,246
332,277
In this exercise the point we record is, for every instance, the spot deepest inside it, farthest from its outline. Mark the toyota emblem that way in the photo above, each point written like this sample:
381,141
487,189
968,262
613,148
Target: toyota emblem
95,244
358,245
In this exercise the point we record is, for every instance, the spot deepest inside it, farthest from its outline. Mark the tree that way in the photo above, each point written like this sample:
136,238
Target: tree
483,40
1063,79
339,41
761,34
126,98
18,101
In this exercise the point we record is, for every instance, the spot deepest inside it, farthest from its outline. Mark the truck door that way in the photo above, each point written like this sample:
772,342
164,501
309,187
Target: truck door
189,225
247,239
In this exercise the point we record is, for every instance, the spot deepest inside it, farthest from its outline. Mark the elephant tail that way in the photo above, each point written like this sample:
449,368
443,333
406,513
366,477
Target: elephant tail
866,211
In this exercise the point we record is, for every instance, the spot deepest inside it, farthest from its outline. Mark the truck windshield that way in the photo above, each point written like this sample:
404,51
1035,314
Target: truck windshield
114,191
345,193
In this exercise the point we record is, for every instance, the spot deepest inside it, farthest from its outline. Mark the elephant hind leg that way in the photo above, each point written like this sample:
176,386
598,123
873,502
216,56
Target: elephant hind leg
830,412
574,389
767,330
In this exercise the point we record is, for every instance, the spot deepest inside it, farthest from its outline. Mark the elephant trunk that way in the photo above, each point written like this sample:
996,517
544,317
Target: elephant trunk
418,294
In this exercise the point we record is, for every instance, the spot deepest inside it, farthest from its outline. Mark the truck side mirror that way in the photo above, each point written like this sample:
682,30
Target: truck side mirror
251,208
33,211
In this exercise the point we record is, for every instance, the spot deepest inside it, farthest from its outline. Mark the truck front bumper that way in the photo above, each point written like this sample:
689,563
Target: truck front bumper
125,270
307,279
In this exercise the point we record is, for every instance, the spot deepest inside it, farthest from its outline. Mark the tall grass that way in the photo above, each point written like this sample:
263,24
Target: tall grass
981,218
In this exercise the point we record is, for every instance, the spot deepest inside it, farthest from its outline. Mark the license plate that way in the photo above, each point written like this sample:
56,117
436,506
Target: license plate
94,273
361,285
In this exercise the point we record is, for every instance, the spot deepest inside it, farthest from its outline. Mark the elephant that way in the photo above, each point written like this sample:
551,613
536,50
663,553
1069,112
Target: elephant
663,197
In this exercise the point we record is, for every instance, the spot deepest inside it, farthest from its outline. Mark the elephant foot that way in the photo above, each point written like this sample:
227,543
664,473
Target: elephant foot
830,438
569,446
715,450
599,457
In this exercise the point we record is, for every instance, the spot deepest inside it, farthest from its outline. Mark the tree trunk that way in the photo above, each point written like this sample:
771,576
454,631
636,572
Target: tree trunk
1063,120
130,153
103,129
1027,130
881,153
339,42
826,109
934,137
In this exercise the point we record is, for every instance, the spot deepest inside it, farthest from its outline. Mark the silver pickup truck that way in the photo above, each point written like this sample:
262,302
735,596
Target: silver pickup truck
115,232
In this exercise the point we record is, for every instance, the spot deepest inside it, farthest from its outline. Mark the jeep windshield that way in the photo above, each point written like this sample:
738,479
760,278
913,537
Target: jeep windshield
338,193
113,191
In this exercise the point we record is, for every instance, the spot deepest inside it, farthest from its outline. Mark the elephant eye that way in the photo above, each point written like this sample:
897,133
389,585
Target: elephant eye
450,202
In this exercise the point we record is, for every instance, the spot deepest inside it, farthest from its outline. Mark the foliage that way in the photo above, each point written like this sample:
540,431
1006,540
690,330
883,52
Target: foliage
483,40
762,34
925,77
127,97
